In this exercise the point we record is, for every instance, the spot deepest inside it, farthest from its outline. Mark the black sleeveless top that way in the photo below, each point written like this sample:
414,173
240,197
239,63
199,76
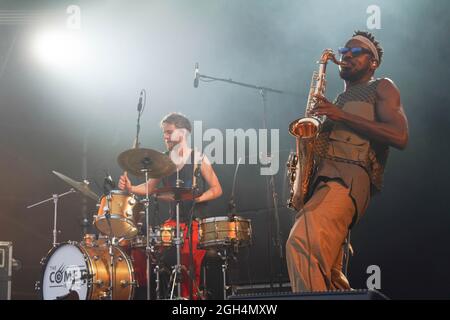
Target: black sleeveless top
186,175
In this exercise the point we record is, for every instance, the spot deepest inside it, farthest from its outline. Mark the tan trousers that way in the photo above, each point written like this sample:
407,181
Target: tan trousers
314,249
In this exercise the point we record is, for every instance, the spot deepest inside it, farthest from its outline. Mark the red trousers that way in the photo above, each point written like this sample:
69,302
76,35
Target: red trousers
139,260
197,257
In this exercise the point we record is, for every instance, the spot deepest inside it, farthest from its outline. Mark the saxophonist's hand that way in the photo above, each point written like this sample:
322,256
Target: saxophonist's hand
326,108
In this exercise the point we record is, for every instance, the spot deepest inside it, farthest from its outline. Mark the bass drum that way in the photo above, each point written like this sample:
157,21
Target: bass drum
80,270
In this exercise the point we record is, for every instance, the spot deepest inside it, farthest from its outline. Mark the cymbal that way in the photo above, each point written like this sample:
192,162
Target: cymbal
83,186
175,193
136,160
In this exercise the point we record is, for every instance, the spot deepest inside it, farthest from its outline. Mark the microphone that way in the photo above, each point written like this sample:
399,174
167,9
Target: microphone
138,126
139,107
232,203
196,176
108,184
196,76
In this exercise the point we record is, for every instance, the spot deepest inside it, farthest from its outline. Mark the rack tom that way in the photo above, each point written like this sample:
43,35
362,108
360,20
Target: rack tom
117,215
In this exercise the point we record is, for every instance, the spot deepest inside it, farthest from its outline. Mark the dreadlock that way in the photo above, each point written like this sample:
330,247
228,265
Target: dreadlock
371,37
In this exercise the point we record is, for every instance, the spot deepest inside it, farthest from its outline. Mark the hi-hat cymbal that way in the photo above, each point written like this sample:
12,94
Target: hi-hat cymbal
175,193
83,186
136,161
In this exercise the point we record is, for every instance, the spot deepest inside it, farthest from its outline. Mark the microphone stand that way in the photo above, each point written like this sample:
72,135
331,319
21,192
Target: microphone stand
140,109
270,182
55,198
232,203
247,85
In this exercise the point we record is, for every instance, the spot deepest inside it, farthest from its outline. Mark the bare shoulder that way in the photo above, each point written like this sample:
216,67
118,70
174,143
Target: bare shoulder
205,160
387,89
389,105
201,158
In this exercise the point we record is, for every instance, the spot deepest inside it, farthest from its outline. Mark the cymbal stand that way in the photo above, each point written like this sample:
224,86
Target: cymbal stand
148,249
55,198
110,243
223,254
177,269
157,280
156,253
112,270
107,211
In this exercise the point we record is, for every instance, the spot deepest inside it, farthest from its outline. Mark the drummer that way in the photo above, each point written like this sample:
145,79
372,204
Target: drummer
194,169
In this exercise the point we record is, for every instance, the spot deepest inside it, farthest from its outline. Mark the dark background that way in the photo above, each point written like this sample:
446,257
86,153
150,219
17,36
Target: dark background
78,115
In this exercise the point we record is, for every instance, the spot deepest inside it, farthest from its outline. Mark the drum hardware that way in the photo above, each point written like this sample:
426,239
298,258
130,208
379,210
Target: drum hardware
199,294
177,268
124,283
108,215
82,187
117,214
157,282
104,296
55,198
176,194
139,162
223,254
150,164
37,285
232,202
148,249
225,235
111,243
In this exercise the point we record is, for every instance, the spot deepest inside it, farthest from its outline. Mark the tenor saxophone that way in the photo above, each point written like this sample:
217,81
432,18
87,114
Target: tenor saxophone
303,163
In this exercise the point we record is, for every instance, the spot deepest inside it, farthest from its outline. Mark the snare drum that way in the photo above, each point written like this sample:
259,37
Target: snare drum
85,269
116,216
224,231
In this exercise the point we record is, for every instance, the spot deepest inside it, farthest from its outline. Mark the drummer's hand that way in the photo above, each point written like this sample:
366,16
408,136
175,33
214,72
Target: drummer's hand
125,183
199,199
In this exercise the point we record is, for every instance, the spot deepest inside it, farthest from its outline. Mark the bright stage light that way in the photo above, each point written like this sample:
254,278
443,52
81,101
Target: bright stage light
60,49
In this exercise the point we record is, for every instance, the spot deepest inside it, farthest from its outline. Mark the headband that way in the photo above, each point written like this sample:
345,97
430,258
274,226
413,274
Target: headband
368,43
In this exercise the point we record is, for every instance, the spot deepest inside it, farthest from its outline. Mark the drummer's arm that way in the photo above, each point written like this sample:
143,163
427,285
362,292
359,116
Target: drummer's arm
215,190
140,189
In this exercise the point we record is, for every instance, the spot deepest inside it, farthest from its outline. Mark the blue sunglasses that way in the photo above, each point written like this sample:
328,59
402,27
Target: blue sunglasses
356,51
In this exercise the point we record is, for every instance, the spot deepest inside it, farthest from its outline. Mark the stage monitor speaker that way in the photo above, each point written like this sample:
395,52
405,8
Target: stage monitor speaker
325,295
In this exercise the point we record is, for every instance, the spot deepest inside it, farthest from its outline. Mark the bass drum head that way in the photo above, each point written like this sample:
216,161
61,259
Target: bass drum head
65,272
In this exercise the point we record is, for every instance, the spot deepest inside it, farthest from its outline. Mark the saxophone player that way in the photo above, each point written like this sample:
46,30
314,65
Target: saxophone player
362,123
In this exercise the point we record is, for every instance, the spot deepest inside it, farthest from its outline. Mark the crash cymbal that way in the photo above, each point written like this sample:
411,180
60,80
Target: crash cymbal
83,186
175,193
136,160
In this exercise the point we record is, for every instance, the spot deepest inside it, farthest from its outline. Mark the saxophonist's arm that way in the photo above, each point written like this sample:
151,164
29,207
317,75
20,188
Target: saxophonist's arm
392,125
